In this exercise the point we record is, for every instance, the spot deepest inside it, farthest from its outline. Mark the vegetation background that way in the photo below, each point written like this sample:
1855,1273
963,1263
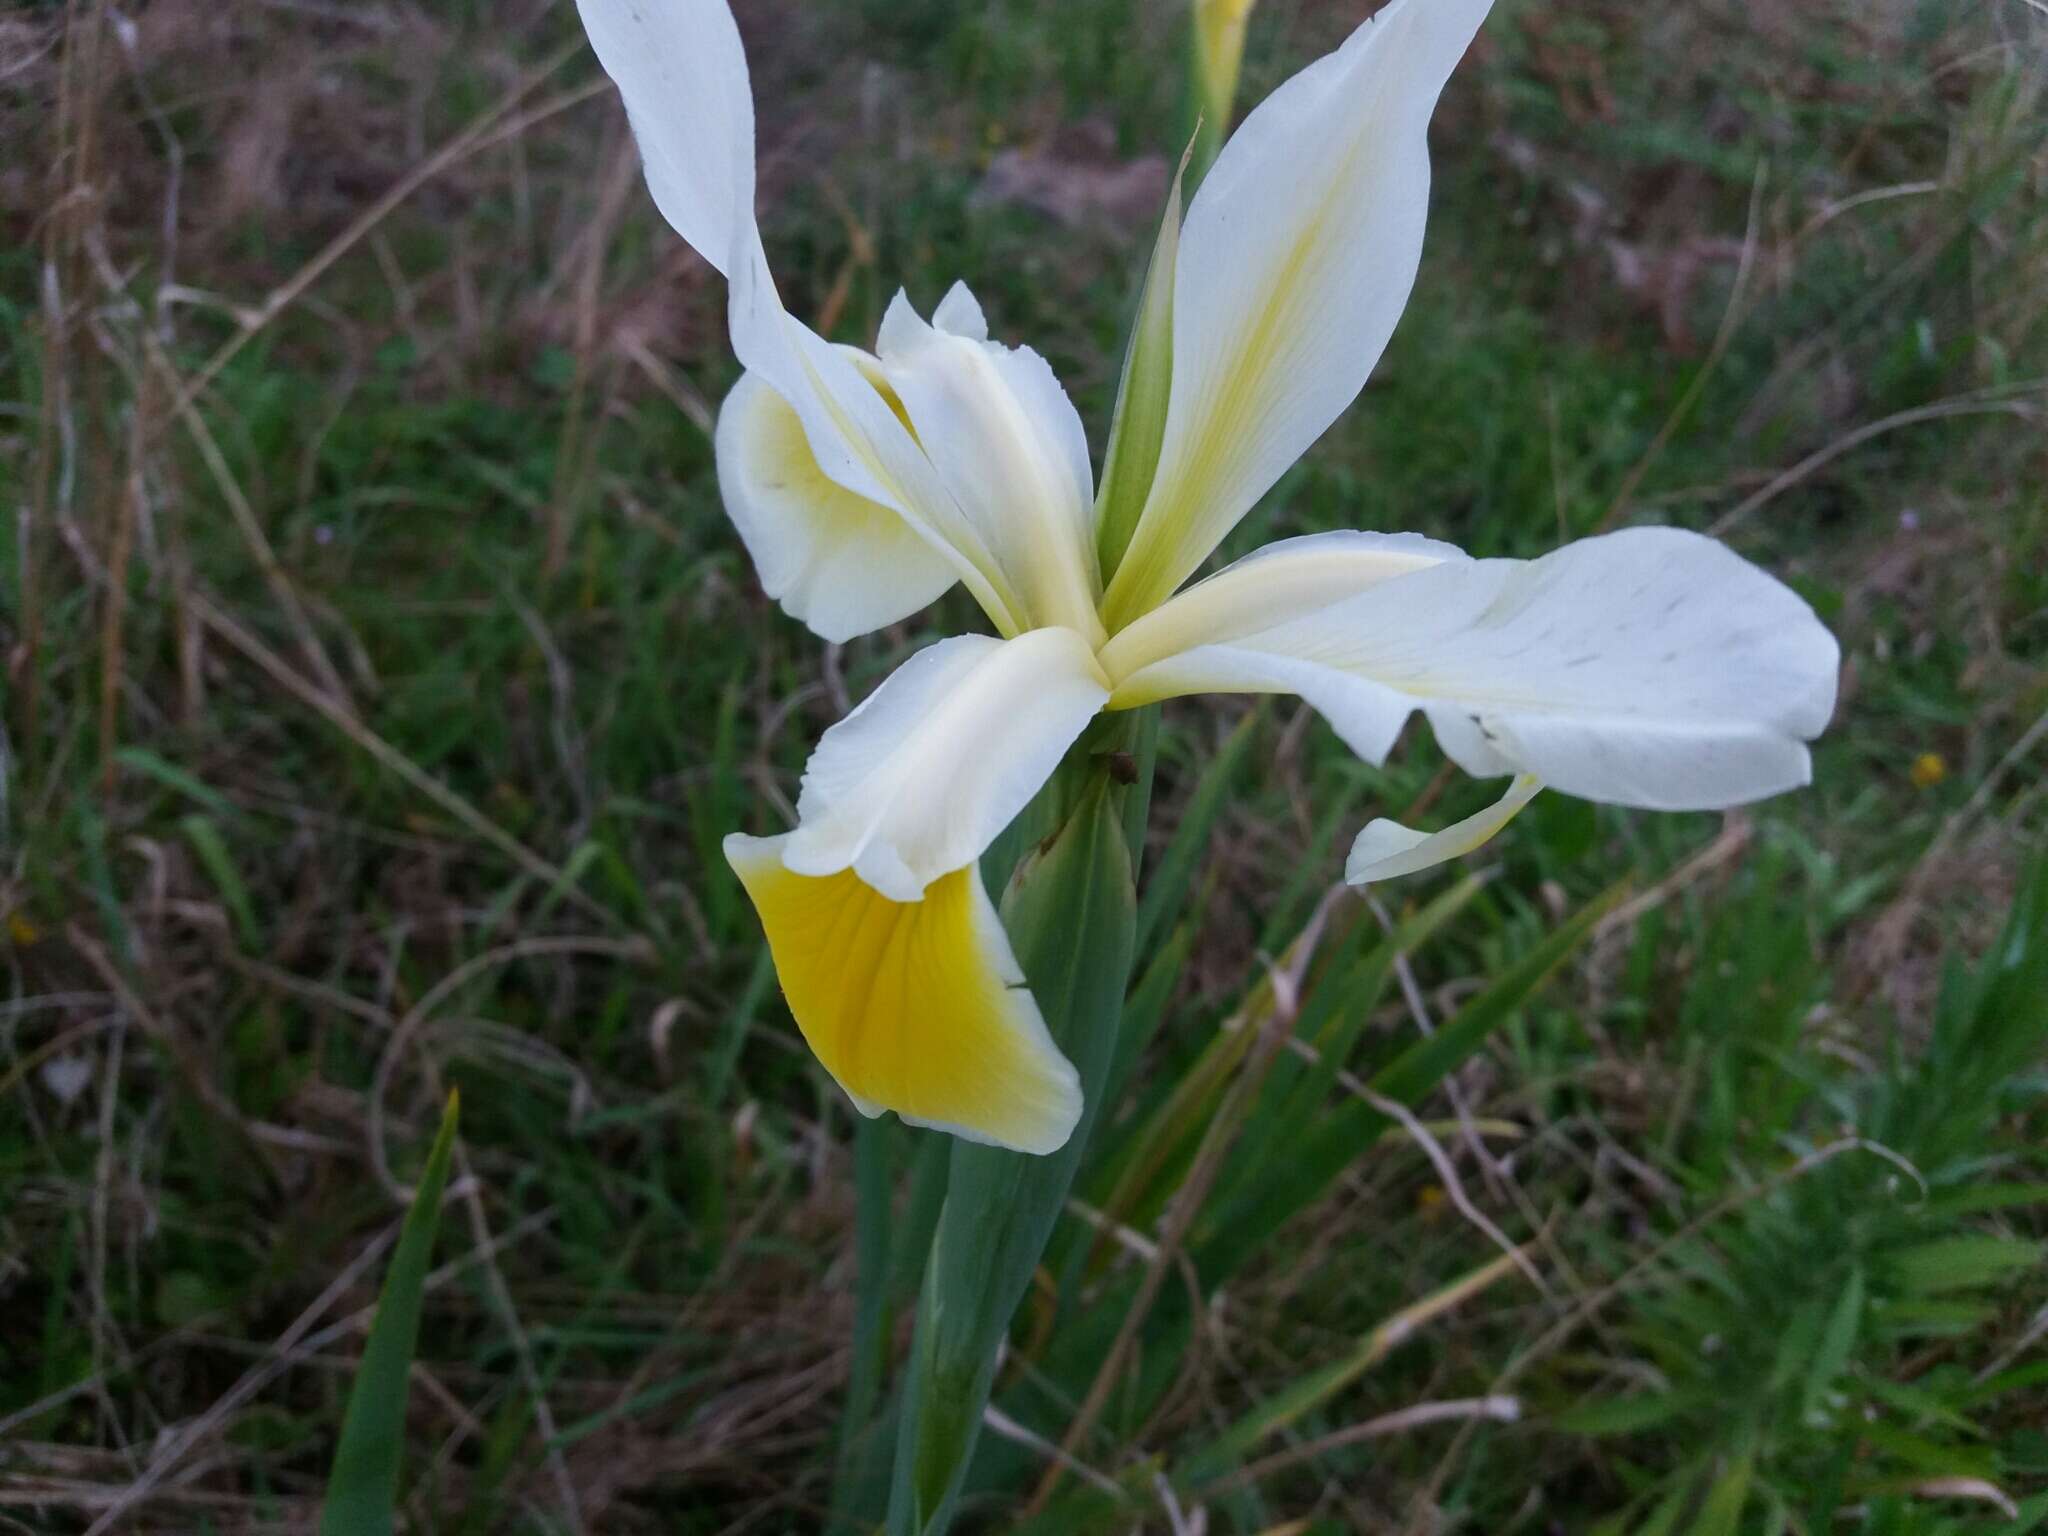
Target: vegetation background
380,674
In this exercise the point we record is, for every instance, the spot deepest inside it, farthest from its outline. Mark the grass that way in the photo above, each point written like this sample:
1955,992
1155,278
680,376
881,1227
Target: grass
371,728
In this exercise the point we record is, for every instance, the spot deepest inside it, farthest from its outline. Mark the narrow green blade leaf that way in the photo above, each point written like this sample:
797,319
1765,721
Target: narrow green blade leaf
1962,1263
1426,1063
1241,1224
212,851
1166,889
363,1487
1618,1415
1139,423
1721,1514
1312,1391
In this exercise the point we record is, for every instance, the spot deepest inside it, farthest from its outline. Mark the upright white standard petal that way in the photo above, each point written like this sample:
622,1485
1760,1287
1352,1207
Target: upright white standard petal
683,76
917,782
1652,667
1296,261
841,563
1009,446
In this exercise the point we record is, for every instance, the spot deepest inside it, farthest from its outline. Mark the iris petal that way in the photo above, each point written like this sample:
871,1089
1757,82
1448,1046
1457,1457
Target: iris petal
918,1006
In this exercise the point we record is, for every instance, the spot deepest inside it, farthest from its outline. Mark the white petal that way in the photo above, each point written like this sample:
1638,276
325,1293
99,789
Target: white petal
683,76
1187,646
841,563
918,781
1295,263
682,73
1009,447
1386,848
959,314
856,437
1652,668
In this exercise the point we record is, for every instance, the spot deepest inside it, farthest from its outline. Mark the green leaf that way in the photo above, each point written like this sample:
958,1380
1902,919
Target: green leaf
1306,1393
212,851
1139,423
1618,1415
1241,1225
1071,915
890,1254
1962,1263
1430,1060
363,1487
147,763
1166,890
1721,1513
1837,1342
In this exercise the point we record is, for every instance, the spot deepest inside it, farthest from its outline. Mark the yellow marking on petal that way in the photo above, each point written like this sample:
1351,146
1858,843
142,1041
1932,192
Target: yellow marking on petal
918,1006
1146,578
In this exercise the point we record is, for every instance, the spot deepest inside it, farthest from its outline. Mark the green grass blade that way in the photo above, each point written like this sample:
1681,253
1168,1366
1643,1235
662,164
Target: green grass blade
212,851
1240,1225
1166,890
363,1487
1309,1392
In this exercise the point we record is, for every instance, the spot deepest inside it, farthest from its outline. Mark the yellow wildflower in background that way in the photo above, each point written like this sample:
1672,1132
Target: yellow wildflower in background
1929,769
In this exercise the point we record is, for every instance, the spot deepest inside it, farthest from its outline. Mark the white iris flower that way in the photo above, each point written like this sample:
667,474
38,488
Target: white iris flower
1650,668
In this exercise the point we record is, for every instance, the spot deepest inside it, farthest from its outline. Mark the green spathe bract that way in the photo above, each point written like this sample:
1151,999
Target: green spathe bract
1071,911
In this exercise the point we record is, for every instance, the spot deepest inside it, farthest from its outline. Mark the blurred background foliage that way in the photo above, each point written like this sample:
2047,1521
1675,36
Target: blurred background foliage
380,675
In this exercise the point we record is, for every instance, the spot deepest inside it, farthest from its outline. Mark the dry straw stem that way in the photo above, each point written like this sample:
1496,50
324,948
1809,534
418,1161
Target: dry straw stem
2004,400
576,455
1731,321
293,1347
1887,936
403,1032
1591,1304
218,620
252,1381
485,131
1498,1409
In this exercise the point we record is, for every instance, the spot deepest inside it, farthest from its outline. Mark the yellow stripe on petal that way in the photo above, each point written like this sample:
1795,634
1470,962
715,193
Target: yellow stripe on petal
917,1006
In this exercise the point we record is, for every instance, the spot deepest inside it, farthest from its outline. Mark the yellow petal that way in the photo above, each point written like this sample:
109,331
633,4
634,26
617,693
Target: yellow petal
916,1006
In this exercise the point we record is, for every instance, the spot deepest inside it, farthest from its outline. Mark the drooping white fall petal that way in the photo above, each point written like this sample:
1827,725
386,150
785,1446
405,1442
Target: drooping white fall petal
1652,667
920,779
1294,265
890,953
